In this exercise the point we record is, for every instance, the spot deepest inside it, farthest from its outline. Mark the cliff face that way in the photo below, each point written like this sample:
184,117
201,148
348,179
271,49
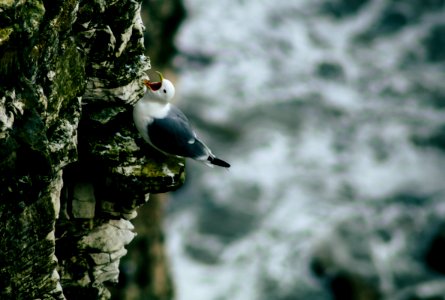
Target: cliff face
72,167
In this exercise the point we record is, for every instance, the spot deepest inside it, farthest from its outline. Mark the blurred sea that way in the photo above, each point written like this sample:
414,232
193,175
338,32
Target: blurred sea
332,114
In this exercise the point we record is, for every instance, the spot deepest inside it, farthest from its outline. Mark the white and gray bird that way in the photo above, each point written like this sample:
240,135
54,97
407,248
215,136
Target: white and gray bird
166,128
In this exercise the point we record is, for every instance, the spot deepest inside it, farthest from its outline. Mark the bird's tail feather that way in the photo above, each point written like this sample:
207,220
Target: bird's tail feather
218,162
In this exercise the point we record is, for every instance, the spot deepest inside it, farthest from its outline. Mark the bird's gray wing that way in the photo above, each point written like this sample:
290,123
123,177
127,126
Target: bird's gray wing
174,135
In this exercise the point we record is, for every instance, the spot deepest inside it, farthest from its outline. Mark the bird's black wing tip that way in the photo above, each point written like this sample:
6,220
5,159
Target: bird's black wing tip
219,162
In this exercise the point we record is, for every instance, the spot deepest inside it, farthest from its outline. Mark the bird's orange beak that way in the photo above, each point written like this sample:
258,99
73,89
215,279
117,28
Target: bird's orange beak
154,85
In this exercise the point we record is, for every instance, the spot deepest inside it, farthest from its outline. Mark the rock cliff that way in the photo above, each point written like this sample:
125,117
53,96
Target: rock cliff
72,167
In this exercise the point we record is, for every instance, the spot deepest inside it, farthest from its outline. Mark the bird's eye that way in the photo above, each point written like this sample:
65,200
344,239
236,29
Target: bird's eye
165,91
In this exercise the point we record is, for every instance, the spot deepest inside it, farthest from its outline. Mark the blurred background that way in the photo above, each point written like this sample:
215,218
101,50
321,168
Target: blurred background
332,114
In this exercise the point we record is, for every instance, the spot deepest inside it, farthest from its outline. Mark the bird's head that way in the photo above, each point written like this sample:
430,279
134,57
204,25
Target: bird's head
162,90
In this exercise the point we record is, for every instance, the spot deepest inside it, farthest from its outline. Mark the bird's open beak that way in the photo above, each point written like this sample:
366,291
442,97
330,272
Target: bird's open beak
154,85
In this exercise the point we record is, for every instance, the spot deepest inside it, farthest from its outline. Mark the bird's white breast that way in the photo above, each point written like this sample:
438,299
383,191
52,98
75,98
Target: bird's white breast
144,112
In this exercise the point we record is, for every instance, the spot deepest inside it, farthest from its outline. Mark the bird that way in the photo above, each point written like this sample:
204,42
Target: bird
166,128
